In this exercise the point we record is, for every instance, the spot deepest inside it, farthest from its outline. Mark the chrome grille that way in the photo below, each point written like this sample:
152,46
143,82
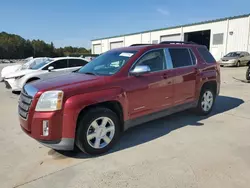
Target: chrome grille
24,105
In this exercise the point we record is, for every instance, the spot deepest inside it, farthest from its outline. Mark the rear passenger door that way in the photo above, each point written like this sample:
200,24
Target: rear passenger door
185,71
75,64
246,57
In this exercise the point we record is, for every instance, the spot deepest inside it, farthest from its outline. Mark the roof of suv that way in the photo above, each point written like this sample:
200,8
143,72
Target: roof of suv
136,47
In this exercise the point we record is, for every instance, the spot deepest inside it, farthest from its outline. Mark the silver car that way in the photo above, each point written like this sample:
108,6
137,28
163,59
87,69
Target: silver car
235,59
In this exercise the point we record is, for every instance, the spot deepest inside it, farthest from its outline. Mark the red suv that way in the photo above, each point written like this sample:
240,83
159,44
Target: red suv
90,108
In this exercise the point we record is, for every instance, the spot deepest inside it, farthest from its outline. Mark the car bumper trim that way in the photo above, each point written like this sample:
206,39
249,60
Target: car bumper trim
63,144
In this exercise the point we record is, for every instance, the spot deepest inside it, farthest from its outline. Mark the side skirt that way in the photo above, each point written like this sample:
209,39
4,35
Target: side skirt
156,115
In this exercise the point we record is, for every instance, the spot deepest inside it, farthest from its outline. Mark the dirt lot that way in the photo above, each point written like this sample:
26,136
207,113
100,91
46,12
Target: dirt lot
181,150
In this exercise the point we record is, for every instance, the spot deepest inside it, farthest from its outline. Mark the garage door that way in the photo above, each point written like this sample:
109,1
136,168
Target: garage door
97,49
175,37
116,44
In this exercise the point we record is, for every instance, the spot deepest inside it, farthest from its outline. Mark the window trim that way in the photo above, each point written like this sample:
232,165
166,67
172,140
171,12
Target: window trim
141,56
189,49
191,52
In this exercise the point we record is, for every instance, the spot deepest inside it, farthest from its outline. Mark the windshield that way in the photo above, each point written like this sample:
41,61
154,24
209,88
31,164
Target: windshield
37,64
108,63
233,54
26,64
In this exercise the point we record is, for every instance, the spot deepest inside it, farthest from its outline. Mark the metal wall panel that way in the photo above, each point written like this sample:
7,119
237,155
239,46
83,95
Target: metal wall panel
97,48
114,45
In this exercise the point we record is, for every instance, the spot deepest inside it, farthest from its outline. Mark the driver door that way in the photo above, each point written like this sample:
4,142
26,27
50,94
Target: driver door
58,65
152,91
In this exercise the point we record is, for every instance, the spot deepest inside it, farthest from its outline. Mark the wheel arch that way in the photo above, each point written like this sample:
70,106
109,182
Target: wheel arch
32,79
210,84
113,105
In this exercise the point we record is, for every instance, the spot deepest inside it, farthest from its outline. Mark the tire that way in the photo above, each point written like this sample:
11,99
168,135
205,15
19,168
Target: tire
248,73
106,135
238,64
201,109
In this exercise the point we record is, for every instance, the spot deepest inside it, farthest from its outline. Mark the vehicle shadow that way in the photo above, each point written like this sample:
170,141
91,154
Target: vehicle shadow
152,130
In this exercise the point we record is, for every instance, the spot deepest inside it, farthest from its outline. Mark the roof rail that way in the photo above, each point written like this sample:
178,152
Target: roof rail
140,44
177,42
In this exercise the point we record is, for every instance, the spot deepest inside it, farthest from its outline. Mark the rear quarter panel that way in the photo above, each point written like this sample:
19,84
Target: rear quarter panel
206,72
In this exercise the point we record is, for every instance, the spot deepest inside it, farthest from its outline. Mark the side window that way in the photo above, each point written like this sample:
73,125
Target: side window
242,54
206,55
180,57
246,54
193,57
77,63
154,59
60,64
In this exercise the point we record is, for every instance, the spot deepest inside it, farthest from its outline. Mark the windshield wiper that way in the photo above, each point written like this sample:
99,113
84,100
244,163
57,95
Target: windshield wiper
89,73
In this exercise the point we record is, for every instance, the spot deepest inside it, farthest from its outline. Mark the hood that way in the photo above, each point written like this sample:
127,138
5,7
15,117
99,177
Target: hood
228,58
10,69
62,81
20,73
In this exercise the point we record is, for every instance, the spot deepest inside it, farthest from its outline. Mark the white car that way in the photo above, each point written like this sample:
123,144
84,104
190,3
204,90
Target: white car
45,69
20,66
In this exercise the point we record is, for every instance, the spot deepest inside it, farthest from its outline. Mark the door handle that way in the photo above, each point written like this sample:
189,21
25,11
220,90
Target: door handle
165,76
196,70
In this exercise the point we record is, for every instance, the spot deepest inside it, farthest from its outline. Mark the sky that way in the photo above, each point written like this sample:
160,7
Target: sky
77,22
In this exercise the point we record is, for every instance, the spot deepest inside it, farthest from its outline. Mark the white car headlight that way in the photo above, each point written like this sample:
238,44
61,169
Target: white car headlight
16,77
50,101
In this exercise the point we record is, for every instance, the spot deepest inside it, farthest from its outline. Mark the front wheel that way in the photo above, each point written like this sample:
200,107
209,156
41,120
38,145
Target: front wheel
206,101
98,130
248,73
238,64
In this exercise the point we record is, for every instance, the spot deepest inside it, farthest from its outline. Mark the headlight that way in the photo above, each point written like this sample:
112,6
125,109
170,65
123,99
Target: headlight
16,77
50,101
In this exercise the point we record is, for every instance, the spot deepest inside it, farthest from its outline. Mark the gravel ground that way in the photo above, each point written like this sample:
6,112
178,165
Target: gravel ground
181,150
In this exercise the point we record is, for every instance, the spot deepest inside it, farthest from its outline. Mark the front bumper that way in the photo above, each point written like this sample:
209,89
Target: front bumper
33,127
228,64
13,84
63,144
7,85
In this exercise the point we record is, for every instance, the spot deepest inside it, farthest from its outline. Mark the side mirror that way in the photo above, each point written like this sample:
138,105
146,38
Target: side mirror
139,70
50,68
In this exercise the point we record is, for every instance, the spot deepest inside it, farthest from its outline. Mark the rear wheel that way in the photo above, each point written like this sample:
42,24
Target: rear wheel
248,73
98,130
206,101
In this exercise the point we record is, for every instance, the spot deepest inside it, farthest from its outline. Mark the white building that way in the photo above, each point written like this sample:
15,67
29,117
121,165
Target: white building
220,36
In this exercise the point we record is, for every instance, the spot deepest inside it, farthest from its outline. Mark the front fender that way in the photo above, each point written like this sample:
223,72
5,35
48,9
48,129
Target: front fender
75,104
22,81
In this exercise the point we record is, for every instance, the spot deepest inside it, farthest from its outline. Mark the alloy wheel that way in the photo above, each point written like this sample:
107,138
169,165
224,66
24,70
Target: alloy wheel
100,132
207,101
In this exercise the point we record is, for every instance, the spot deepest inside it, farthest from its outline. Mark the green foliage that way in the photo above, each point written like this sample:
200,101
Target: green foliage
15,47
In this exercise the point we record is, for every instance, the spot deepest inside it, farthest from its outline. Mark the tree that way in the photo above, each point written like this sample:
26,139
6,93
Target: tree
15,47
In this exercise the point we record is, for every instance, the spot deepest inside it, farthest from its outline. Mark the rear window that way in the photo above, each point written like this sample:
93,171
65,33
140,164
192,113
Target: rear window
206,55
180,57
